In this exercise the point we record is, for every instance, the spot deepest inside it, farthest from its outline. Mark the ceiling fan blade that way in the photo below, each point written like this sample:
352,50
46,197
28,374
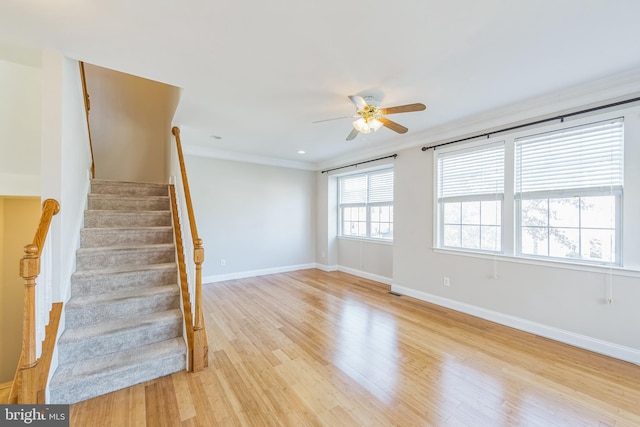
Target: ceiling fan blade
403,108
393,125
358,100
354,132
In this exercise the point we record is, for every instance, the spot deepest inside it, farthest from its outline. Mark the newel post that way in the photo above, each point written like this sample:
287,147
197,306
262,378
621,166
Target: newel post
29,270
198,259
200,345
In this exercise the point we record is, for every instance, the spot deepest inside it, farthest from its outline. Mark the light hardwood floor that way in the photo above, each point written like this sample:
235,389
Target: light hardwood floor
311,348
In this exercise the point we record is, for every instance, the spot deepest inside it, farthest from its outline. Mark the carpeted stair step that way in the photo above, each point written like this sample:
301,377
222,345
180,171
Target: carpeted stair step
92,309
94,377
123,323
124,236
100,186
110,218
109,337
127,203
94,282
106,257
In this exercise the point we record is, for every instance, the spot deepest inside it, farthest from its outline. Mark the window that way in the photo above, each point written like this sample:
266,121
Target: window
366,205
553,195
470,190
569,193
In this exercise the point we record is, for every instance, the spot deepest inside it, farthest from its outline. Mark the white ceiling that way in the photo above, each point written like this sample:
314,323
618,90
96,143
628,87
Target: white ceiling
257,73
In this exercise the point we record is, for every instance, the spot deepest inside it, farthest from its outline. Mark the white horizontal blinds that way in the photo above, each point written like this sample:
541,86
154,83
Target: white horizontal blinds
353,189
582,157
381,187
476,171
374,187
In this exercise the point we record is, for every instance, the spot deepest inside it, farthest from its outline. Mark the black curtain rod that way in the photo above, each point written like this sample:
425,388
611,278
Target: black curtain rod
361,163
537,122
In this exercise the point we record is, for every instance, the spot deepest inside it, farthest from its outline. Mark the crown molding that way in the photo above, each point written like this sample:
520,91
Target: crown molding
198,148
202,151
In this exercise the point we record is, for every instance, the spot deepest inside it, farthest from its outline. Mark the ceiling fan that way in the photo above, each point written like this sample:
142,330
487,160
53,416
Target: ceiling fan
370,116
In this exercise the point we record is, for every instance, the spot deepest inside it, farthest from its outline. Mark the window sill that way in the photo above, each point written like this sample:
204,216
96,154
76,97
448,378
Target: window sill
367,239
566,265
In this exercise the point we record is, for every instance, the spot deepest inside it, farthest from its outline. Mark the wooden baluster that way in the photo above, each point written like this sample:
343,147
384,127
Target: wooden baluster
182,268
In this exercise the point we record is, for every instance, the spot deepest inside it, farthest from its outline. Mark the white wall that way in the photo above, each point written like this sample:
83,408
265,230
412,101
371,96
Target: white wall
20,95
373,260
327,222
65,166
567,303
259,219
66,162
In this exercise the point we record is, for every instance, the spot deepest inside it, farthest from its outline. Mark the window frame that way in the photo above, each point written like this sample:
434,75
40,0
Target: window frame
615,191
367,205
482,197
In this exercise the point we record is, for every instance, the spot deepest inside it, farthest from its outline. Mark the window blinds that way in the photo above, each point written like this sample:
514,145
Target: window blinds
374,187
353,189
381,187
471,172
582,157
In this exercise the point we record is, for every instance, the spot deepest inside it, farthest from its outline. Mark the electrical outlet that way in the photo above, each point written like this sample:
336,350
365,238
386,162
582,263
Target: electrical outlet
223,262
446,281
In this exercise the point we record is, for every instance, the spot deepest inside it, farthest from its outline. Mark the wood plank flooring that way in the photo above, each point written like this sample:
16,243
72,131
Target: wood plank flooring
311,348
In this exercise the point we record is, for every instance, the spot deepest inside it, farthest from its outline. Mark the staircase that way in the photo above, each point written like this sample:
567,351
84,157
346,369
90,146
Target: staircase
123,321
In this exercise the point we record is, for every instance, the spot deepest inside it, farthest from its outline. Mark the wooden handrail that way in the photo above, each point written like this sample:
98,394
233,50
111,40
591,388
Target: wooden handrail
198,248
185,183
50,207
200,359
26,383
87,107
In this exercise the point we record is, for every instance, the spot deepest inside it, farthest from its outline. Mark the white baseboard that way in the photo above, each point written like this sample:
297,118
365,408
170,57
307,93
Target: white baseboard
577,340
285,269
327,268
366,275
254,273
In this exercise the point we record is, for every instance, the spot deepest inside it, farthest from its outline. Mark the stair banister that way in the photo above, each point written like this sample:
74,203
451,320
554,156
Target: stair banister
28,385
200,349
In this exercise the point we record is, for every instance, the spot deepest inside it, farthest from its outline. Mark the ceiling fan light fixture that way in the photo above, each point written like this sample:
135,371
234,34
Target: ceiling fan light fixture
361,125
370,116
374,124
